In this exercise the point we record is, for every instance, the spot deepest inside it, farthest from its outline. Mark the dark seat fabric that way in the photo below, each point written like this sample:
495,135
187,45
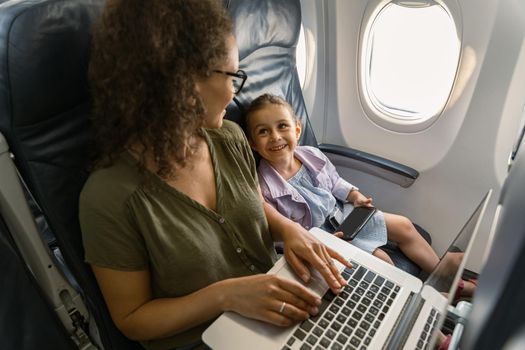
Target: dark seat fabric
44,109
267,32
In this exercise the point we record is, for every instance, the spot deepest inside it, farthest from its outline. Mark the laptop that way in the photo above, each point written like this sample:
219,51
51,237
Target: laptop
382,307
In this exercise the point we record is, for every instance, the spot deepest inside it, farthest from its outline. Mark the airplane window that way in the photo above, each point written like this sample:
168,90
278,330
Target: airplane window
300,54
409,59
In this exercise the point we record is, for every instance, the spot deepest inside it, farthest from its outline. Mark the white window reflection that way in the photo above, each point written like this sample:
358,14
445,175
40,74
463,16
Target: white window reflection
300,54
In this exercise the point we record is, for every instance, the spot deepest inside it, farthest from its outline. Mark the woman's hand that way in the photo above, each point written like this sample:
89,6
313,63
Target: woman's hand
302,249
270,298
359,200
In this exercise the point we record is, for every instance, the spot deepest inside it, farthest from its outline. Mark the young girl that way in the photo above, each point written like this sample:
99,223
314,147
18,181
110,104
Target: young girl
302,184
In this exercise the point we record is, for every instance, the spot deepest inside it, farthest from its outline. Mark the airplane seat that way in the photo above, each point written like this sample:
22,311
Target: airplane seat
18,291
497,317
45,104
267,55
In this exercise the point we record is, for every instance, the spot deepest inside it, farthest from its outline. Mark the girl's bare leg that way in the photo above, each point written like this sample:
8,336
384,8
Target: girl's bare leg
401,231
382,255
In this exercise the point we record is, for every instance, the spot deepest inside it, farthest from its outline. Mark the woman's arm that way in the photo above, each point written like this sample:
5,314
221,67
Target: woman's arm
140,317
301,248
129,300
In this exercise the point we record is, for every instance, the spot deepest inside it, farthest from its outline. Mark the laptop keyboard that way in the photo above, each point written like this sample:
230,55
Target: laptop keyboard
350,319
428,329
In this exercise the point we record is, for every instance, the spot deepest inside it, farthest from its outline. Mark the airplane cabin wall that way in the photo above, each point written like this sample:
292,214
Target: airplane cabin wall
462,154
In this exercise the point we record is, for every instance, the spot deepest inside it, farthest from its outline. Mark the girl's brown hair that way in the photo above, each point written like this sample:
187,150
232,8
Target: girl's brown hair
146,56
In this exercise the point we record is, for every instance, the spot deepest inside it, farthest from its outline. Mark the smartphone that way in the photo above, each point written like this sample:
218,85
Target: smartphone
355,221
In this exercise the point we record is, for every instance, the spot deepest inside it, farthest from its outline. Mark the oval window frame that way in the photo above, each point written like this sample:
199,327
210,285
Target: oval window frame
382,117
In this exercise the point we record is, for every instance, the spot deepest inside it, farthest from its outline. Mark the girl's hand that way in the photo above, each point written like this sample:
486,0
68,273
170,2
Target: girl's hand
359,200
271,299
339,234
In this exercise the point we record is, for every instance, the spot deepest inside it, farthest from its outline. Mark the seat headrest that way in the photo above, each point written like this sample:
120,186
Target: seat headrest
262,23
267,32
44,58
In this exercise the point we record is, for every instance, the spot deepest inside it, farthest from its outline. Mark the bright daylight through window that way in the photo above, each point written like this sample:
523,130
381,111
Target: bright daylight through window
410,56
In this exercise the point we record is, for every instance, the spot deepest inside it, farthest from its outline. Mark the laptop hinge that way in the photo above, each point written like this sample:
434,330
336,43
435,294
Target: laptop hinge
401,329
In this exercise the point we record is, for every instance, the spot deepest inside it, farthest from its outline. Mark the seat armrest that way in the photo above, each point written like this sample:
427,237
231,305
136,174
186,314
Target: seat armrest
394,172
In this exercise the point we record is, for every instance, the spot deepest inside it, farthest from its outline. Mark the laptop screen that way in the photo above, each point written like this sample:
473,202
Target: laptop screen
445,276
444,279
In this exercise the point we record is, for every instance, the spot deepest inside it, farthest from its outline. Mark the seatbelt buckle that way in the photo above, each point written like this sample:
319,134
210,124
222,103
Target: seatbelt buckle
336,217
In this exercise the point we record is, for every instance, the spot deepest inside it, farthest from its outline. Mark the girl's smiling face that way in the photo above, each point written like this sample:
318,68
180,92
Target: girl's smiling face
274,133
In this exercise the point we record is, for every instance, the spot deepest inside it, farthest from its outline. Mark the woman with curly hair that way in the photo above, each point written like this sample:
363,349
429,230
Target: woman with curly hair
173,222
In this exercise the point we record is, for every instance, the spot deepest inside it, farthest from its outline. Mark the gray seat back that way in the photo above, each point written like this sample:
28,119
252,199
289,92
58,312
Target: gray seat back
267,32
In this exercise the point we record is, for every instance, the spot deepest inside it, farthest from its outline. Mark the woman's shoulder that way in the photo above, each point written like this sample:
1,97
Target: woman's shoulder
112,184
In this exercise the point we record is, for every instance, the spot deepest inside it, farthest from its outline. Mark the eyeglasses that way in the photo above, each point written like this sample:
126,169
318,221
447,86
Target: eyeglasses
239,78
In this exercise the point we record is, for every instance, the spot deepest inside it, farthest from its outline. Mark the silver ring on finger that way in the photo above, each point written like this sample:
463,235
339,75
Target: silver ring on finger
283,305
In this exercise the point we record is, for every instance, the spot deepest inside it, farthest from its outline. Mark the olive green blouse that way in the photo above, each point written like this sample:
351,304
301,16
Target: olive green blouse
134,221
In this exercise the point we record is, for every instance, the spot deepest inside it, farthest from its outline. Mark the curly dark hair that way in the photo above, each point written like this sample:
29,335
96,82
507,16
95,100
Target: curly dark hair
145,58
263,101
